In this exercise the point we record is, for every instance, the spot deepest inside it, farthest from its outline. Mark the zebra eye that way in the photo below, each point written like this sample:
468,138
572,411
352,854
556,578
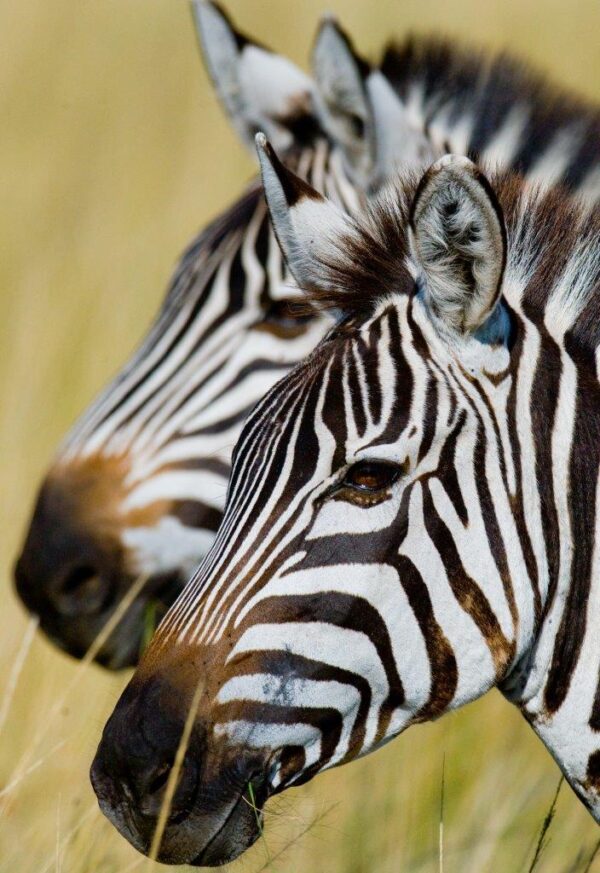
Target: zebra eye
285,317
371,476
281,310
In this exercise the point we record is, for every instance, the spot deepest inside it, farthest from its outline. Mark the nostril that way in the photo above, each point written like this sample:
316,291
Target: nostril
161,777
81,591
154,794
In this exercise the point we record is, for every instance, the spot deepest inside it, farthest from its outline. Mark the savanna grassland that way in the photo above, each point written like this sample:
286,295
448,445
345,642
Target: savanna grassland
113,152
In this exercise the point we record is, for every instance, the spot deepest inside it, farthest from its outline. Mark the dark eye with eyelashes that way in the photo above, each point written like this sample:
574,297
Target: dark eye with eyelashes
286,315
371,476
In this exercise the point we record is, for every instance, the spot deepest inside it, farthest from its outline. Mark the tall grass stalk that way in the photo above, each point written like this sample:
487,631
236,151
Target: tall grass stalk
295,840
16,669
173,779
441,826
542,841
592,858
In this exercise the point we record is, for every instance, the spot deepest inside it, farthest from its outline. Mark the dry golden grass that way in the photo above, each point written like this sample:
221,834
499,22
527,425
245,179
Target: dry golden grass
112,153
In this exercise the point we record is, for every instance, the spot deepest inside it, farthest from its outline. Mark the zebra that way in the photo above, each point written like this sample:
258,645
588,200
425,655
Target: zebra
412,516
131,492
138,486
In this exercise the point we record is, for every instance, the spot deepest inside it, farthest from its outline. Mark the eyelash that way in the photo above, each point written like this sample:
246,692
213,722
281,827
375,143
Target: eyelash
366,497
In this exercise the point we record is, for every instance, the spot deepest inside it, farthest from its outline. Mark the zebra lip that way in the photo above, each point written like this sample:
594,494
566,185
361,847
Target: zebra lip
225,844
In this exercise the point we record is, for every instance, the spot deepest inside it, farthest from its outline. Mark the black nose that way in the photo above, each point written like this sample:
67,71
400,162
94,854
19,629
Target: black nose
142,781
137,755
64,568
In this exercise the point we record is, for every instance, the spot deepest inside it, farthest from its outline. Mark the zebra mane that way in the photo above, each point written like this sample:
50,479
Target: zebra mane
552,270
227,225
443,76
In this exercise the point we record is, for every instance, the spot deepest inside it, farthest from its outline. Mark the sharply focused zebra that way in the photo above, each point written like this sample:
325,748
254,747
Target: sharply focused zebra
139,485
412,515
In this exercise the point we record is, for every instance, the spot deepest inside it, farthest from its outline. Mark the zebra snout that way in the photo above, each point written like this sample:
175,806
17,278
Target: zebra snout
136,757
71,574
63,590
149,760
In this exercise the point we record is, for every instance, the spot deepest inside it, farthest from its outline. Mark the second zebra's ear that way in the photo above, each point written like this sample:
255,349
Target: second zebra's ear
343,102
458,240
361,112
259,90
310,229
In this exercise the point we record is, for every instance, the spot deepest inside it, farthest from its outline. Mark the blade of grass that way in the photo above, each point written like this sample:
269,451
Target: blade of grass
69,836
4,792
259,823
17,667
592,858
315,821
182,748
23,767
57,864
542,839
441,827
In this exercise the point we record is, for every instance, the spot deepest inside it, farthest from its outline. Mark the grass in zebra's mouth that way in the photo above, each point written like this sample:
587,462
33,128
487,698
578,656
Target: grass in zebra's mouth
113,153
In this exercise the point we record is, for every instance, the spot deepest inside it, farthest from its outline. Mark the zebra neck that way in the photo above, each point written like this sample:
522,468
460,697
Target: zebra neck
571,731
557,686
497,110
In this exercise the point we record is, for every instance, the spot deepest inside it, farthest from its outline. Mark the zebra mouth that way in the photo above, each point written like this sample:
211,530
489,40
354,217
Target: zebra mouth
78,634
241,828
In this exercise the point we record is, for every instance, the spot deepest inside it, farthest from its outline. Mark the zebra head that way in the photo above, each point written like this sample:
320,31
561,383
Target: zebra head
139,485
379,562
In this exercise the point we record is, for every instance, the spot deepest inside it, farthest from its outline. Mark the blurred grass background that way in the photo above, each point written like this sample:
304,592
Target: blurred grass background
113,152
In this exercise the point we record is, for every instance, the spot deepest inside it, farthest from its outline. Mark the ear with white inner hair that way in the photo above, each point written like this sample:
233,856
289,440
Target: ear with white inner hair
343,104
458,241
259,90
309,228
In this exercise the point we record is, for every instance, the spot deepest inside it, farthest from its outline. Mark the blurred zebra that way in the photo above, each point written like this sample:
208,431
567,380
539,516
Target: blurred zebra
140,483
413,514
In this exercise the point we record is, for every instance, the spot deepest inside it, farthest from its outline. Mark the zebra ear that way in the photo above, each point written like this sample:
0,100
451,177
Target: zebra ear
258,89
398,138
458,240
361,112
309,228
343,104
